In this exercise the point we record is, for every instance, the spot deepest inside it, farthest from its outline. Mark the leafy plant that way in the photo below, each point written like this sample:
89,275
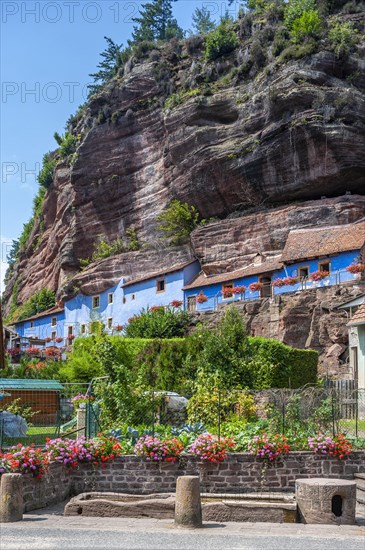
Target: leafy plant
164,322
45,176
307,26
342,38
68,145
18,408
177,221
221,41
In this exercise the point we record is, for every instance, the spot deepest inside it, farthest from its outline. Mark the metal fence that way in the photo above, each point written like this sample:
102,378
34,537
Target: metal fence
334,408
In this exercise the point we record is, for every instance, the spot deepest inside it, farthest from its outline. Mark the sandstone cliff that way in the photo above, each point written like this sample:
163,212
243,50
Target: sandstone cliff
262,139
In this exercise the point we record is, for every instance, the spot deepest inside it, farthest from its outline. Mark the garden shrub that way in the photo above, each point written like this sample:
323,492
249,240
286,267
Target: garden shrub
158,322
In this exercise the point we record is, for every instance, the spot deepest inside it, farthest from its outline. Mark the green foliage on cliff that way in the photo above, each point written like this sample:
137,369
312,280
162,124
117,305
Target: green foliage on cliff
342,38
202,21
221,41
40,301
45,176
156,22
177,221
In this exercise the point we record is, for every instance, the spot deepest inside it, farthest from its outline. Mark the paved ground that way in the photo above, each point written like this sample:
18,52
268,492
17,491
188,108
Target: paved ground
48,530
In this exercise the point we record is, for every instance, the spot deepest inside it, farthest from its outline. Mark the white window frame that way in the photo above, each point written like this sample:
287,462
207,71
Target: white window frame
109,323
110,298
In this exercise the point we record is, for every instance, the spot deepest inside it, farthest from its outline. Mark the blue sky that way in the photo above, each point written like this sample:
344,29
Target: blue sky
48,49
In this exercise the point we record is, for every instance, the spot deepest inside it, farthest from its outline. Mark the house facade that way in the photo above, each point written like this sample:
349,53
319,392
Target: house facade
112,307
356,327
44,327
312,258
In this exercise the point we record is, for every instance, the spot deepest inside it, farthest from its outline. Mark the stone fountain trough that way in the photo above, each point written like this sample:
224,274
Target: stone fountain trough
255,507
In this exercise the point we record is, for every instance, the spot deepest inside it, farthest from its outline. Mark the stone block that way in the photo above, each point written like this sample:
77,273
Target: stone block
11,498
188,511
326,500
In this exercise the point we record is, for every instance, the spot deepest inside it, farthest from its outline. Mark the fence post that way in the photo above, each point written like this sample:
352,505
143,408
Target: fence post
333,413
357,413
219,414
153,413
283,412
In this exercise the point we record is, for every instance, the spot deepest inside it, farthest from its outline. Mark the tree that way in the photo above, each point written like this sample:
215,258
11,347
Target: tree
156,22
202,22
108,67
177,221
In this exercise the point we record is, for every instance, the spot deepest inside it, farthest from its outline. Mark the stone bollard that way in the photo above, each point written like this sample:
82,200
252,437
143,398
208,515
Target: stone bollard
81,422
11,498
188,510
326,500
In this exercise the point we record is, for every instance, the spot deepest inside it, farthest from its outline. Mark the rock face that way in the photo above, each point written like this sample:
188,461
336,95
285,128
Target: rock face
231,243
292,132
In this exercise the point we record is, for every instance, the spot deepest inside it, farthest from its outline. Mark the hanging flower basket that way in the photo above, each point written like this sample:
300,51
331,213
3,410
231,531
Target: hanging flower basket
201,298
48,339
58,339
256,287
118,328
355,268
319,275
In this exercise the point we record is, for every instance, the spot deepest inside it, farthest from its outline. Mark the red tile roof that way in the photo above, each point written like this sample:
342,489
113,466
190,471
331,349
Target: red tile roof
303,244
359,317
267,266
159,273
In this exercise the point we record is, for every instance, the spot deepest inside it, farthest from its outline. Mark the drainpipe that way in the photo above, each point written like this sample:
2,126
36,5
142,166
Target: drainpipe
2,347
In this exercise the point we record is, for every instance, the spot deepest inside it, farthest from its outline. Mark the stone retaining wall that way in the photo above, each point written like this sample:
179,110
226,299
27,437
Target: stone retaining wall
241,472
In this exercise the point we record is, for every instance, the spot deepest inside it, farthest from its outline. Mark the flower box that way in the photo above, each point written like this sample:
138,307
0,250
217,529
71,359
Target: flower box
256,287
319,275
355,268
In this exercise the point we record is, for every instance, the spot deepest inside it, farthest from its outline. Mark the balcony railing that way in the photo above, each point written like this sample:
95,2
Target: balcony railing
338,277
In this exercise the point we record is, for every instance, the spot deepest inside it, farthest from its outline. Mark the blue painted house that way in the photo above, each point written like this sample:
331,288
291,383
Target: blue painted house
114,306
45,328
307,254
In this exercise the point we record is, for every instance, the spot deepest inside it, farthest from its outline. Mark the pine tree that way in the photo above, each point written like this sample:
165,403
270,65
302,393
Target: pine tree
156,22
108,67
202,22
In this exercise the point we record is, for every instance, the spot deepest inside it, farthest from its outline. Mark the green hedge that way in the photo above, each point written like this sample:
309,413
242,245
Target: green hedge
280,366
171,364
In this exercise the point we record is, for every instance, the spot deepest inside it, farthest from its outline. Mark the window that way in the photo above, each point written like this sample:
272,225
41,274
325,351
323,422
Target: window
324,266
303,272
110,322
110,298
161,285
53,335
227,291
96,302
83,329
70,330
133,296
31,324
54,321
124,299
